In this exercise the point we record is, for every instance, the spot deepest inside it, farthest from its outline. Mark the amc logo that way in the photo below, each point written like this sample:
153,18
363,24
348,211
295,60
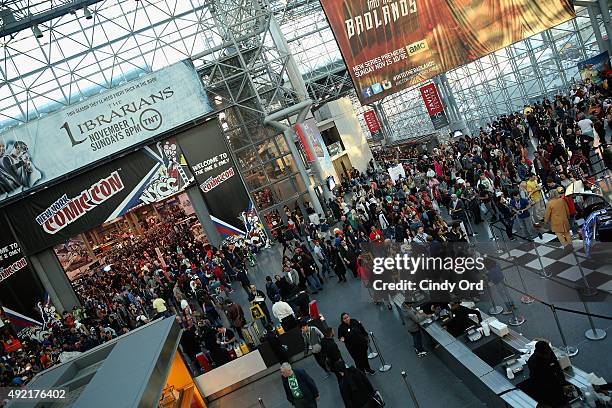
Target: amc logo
417,47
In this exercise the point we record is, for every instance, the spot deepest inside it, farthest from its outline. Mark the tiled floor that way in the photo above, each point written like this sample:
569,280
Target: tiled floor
563,263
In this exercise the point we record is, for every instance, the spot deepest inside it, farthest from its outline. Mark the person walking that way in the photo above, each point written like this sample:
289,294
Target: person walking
557,214
300,388
534,189
312,344
235,315
355,388
413,319
352,333
520,207
338,263
330,351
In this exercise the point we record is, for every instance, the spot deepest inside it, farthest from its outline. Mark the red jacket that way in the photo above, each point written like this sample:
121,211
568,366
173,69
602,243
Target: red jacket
570,205
376,236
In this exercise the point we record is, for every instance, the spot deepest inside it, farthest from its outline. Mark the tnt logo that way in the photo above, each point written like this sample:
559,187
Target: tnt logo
417,47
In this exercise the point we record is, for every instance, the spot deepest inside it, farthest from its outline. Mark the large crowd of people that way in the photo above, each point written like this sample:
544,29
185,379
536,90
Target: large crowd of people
512,173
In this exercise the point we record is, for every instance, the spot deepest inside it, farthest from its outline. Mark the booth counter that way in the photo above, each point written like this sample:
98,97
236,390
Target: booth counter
249,367
482,364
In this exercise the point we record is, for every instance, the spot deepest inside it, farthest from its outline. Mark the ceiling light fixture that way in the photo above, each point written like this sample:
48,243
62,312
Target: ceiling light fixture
36,31
87,13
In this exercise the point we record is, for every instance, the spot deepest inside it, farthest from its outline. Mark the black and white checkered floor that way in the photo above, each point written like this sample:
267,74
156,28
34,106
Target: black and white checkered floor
547,254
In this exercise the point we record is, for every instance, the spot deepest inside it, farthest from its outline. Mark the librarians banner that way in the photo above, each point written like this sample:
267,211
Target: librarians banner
211,163
434,106
99,127
55,215
389,45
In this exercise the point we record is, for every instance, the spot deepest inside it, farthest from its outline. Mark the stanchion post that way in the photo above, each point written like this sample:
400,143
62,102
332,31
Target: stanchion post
514,320
496,240
587,290
524,298
570,350
593,333
544,273
384,367
410,390
495,309
371,353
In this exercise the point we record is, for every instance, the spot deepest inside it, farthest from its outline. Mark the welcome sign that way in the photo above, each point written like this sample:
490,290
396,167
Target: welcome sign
82,134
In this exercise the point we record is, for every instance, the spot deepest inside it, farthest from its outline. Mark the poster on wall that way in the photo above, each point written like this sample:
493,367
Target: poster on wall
211,163
55,215
373,125
73,254
390,45
596,69
20,287
99,127
434,106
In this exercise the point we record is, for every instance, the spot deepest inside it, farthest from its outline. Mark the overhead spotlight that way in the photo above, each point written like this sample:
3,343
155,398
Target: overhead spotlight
87,13
36,31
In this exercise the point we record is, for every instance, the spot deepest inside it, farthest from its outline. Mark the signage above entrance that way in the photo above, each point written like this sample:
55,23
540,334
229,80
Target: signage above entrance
101,126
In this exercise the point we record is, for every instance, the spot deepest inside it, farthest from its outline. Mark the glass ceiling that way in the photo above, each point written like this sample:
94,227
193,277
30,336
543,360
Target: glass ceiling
78,57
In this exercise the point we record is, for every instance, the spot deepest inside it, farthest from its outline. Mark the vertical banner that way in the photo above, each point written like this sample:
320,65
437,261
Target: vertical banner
20,287
373,125
301,139
211,163
595,69
310,130
434,106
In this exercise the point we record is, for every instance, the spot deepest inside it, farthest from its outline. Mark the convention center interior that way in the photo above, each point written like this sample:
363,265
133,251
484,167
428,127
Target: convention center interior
305,203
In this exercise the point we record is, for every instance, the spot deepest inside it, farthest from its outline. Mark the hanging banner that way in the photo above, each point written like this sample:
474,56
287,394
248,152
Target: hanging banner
392,45
101,126
56,214
310,130
20,287
373,125
309,156
211,163
596,69
434,106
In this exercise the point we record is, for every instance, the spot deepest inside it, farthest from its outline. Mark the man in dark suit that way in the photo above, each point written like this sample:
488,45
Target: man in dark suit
299,387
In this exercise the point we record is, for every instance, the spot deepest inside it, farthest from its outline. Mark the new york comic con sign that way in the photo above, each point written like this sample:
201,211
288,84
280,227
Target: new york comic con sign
113,121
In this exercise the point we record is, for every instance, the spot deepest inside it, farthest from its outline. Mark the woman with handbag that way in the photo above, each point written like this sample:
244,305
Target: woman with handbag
312,337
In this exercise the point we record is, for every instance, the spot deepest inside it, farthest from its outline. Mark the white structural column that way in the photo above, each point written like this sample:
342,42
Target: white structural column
297,82
276,120
456,121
